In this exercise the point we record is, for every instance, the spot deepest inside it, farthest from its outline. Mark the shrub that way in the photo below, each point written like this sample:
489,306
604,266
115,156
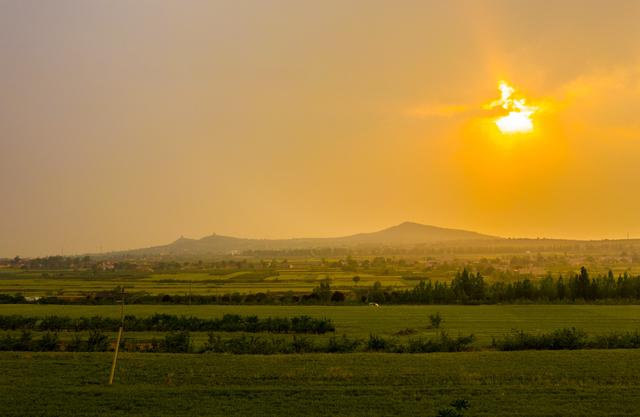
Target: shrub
302,344
405,332
338,297
176,342
567,338
25,342
97,342
444,343
616,341
343,344
455,409
16,321
436,320
377,343
47,343
76,344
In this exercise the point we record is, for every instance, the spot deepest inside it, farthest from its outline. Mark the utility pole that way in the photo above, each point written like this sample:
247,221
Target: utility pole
115,353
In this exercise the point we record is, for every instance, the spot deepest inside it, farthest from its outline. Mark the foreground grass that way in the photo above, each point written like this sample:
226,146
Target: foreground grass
575,383
484,321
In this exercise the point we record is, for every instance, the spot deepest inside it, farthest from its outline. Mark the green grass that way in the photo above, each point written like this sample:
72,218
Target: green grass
577,383
484,321
544,383
73,283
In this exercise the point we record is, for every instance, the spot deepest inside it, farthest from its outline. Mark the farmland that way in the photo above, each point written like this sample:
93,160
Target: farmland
485,321
588,382
75,276
577,383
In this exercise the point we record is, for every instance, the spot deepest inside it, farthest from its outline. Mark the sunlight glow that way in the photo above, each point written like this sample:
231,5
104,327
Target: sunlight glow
518,120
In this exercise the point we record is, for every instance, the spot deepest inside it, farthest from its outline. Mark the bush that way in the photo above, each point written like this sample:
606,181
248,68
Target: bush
338,297
97,342
455,409
561,339
244,345
302,344
343,344
436,320
15,321
444,343
616,341
176,342
76,344
377,343
25,342
47,343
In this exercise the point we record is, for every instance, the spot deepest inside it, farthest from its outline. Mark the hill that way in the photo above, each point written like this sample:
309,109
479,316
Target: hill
405,234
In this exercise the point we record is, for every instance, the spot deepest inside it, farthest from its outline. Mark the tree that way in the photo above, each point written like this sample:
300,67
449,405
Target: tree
337,297
356,280
323,291
467,286
376,293
582,284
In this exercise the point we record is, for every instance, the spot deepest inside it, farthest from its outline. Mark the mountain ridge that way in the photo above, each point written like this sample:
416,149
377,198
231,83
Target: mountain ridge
403,234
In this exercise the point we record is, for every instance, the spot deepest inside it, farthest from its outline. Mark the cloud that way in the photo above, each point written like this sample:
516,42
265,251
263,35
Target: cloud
436,111
605,102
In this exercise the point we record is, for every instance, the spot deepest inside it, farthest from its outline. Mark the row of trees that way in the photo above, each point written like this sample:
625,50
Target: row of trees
182,342
168,322
50,342
567,339
469,288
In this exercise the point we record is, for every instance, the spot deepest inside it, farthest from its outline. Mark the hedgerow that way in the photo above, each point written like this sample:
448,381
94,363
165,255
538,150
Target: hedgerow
167,322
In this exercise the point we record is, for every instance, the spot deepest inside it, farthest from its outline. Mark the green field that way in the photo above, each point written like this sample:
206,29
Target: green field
485,321
577,383
73,283
526,383
246,275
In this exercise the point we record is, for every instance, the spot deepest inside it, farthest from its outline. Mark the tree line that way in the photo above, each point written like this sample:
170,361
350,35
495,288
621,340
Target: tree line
167,322
469,288
182,342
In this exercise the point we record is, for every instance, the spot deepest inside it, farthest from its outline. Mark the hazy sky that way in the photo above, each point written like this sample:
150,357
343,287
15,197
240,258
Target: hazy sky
129,123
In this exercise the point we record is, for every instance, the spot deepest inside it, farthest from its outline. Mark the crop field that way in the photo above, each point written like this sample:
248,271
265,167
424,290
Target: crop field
587,382
577,383
73,283
301,274
484,321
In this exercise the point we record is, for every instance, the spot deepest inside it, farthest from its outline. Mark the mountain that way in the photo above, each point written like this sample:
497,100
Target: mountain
409,233
405,234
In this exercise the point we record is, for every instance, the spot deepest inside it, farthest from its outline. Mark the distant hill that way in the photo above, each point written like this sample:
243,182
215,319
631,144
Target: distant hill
409,233
405,234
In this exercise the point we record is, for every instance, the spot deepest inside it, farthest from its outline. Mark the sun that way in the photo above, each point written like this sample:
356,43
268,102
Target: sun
518,118
515,122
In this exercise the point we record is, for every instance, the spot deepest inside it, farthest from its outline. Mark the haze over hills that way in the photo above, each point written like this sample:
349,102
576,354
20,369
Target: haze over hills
404,234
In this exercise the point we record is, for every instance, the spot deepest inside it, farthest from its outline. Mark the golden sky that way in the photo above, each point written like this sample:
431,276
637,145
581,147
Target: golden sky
129,123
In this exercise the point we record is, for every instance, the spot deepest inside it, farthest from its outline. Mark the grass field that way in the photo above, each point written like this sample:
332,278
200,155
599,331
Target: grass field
526,383
577,383
302,274
485,321
73,283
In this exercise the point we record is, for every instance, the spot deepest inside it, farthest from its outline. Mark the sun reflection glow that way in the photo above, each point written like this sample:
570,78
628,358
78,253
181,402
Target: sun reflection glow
518,119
